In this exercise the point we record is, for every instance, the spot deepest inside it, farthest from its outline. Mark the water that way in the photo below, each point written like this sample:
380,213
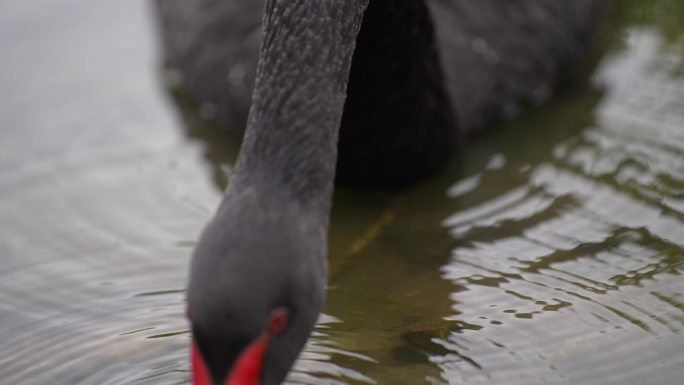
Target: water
550,252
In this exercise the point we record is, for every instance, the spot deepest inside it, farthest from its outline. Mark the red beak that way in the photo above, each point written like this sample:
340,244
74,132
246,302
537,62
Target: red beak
247,368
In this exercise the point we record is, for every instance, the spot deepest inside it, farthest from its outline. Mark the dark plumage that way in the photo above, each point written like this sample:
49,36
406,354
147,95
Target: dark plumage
485,60
392,84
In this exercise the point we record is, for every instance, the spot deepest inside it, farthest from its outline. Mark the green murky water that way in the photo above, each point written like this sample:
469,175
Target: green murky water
550,252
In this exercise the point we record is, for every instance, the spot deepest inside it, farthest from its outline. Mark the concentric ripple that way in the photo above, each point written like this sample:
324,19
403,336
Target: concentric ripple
575,276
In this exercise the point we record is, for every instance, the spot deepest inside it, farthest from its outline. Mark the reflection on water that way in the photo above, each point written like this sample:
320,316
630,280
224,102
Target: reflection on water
549,253
565,247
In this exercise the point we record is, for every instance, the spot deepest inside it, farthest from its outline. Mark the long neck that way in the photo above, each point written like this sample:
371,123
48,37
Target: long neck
299,95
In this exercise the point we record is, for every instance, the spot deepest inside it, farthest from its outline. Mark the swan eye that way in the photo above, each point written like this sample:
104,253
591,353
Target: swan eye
278,320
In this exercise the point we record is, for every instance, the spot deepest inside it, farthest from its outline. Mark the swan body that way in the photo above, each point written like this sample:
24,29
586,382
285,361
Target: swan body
478,62
371,92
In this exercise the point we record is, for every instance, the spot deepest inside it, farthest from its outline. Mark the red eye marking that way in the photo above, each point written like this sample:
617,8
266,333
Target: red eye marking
278,321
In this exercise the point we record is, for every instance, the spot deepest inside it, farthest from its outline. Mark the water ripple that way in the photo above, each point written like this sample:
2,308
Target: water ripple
575,277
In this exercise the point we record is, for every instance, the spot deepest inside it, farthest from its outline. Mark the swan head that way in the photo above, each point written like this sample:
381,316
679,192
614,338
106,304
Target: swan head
256,289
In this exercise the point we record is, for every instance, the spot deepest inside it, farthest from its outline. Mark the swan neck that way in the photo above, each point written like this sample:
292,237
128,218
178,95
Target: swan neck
300,89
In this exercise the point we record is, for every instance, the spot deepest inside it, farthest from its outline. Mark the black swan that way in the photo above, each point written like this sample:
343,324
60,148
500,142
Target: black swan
392,85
